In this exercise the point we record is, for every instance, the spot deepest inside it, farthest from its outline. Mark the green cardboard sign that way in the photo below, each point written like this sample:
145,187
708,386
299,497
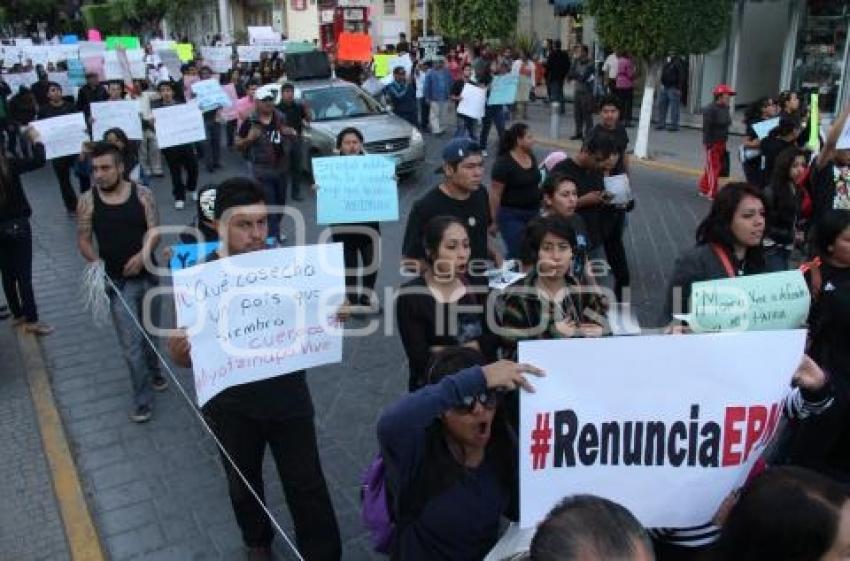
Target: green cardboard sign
749,303
112,43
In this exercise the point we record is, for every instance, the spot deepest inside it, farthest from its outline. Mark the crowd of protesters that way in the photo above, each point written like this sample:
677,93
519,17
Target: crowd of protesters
449,445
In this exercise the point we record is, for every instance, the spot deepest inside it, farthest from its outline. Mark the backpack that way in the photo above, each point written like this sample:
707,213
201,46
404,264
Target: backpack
375,508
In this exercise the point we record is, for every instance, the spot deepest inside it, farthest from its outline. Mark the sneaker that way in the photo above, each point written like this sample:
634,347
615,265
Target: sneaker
142,414
281,237
484,153
179,205
159,383
195,195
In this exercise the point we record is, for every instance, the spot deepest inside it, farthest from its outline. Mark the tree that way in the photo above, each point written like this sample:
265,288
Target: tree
476,19
147,15
651,30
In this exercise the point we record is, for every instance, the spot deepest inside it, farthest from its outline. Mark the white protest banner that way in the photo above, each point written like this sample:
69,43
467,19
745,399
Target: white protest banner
63,135
263,35
37,54
160,45
124,115
17,80
472,101
118,63
618,187
217,58
251,53
172,62
178,124
90,49
58,53
763,128
753,302
665,425
261,314
210,95
355,189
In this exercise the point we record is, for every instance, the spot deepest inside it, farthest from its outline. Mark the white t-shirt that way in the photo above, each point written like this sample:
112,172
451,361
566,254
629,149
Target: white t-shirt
611,66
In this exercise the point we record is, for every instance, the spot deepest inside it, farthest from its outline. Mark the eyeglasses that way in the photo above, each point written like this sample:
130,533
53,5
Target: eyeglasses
489,400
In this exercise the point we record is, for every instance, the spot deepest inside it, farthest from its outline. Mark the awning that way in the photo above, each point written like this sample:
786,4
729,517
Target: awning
567,7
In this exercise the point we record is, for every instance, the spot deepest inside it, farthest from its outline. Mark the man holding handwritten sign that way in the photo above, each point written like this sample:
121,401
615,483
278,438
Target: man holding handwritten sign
245,398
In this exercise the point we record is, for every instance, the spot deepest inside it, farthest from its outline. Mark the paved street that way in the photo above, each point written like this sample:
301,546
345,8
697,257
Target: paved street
157,491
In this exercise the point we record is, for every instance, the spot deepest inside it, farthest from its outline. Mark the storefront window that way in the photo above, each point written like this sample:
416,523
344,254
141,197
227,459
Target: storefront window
819,62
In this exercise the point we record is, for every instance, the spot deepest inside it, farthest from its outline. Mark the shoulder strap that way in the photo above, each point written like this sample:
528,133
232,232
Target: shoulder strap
723,257
815,277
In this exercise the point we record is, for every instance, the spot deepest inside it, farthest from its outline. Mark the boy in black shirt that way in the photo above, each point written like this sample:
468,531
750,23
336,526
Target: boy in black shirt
459,195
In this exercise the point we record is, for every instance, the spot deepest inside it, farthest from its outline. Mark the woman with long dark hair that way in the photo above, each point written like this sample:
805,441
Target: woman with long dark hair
434,310
784,198
762,109
514,190
451,459
729,244
16,237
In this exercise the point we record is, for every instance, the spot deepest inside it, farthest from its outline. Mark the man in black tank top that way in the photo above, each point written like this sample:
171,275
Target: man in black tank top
122,216
276,412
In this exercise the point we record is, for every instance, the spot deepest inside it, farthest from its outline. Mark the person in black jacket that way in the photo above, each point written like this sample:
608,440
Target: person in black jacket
716,120
557,68
729,244
784,199
16,238
673,76
93,91
777,141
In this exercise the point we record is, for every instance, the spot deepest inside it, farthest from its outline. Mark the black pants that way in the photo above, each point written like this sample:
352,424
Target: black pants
62,167
626,97
230,132
181,158
424,112
583,112
16,270
615,253
296,454
359,246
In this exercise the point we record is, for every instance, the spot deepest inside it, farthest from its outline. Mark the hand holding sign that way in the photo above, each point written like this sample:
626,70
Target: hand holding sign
809,375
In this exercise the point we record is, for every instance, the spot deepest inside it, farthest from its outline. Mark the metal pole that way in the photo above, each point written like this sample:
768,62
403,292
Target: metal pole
425,18
555,120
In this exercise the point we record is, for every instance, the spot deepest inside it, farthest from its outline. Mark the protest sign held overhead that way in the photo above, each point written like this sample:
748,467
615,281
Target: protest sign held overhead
749,303
666,426
356,189
210,95
354,47
261,314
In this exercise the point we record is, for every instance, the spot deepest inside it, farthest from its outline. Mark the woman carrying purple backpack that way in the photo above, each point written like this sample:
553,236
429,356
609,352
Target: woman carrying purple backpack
449,461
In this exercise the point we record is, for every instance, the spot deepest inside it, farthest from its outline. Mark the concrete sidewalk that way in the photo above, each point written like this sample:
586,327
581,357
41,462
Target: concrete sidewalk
680,152
30,521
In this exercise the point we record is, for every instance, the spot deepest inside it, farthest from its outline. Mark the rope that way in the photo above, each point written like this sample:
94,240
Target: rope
93,292
203,421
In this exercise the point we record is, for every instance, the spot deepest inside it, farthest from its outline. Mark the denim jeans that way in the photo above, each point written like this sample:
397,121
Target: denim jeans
493,115
556,93
669,97
16,270
274,187
213,147
512,222
140,357
465,127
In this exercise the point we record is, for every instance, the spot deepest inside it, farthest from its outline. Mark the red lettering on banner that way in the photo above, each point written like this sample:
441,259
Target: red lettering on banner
731,435
756,424
773,421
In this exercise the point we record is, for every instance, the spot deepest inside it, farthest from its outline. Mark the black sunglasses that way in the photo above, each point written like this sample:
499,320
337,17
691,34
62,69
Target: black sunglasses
489,400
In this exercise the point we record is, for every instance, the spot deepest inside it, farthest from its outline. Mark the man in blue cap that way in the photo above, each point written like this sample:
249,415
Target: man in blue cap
461,195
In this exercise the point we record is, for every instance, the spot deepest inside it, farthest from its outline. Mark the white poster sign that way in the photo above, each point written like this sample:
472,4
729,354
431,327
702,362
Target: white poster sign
217,58
472,101
63,135
210,95
665,425
251,53
114,64
178,124
619,188
122,114
17,79
262,314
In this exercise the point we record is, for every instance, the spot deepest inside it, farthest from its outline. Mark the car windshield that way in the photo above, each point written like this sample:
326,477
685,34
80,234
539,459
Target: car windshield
332,103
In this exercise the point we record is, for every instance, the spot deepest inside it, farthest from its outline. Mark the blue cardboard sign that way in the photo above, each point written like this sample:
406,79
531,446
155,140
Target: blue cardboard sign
503,89
355,189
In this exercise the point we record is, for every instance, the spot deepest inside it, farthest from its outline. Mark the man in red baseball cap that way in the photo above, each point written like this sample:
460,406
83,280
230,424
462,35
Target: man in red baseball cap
716,119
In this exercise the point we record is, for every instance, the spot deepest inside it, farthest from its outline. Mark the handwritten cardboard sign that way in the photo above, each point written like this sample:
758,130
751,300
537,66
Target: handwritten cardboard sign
749,303
503,89
355,189
178,124
124,115
63,135
262,314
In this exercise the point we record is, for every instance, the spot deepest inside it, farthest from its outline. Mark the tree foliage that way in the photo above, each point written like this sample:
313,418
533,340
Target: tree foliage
653,29
476,19
134,16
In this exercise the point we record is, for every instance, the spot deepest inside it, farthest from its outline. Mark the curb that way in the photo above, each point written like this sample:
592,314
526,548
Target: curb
80,533
647,163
